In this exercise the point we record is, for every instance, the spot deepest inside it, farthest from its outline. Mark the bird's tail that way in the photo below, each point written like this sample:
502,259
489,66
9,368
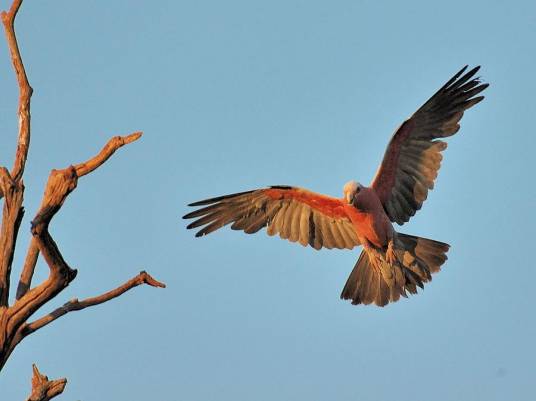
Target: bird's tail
375,280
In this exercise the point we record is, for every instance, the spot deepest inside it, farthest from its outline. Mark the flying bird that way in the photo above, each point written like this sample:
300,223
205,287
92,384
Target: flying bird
392,264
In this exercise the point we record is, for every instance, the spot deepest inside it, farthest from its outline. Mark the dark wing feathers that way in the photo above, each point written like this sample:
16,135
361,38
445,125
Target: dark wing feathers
413,156
293,213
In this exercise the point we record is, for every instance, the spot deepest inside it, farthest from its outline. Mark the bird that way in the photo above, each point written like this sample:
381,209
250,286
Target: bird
391,264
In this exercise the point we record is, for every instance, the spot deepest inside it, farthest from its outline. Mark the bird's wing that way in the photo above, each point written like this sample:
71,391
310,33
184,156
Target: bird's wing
295,213
412,159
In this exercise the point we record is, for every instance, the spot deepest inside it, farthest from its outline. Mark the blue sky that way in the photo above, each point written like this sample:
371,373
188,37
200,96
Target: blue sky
237,95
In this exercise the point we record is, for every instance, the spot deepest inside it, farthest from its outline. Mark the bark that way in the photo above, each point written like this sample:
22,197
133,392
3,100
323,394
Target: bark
15,322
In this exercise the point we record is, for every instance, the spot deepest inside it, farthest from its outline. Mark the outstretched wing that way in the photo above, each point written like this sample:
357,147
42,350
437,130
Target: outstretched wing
295,213
413,157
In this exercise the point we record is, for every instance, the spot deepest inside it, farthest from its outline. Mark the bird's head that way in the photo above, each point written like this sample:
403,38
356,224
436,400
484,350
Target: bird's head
350,190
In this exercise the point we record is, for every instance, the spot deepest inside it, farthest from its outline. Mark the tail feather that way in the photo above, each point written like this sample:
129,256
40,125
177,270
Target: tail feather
374,280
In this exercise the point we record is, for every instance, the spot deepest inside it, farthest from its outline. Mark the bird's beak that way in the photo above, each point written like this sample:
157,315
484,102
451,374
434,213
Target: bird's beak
349,197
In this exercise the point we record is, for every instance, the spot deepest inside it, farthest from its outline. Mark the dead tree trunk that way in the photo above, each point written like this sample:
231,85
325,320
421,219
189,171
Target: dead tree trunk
15,323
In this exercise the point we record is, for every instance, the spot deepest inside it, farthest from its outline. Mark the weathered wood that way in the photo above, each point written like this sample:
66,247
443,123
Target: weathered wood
26,275
25,91
11,218
44,389
74,305
14,325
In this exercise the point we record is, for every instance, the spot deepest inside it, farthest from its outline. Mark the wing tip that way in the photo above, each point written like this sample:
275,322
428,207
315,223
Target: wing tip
190,215
201,202
474,70
461,77
190,226
457,75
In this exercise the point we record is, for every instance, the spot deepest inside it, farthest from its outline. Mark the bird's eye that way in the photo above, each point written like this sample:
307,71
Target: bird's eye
358,188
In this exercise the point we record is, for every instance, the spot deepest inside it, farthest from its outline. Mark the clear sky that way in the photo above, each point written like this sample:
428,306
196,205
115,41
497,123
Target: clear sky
236,95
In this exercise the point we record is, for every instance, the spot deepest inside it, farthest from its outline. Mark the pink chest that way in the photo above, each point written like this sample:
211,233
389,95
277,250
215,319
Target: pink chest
372,225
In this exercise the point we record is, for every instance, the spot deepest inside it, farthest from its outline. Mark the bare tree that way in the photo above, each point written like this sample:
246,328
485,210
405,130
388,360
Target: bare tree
15,323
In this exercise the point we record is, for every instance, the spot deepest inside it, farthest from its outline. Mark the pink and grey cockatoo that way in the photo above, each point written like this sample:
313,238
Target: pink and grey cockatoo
391,263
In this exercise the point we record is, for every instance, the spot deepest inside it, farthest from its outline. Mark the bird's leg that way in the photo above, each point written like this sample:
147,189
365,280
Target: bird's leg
390,255
374,255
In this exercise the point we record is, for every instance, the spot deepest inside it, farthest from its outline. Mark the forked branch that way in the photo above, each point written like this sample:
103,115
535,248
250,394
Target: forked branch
47,205
44,389
59,185
11,218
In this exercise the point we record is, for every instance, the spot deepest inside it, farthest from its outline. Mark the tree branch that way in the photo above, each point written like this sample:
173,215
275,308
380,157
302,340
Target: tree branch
75,305
11,218
25,91
26,275
70,174
44,389
59,185
11,183
13,319
108,150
